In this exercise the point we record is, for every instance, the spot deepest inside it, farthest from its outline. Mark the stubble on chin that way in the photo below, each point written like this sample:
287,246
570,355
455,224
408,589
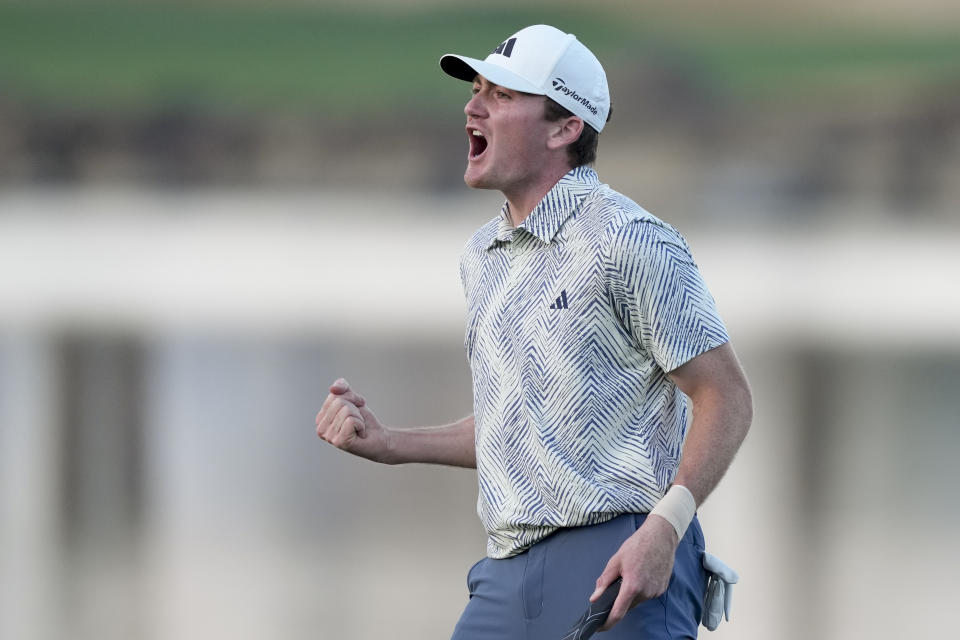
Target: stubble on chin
475,181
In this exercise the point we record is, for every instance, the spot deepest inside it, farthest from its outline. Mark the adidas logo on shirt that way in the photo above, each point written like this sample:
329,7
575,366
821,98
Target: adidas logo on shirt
561,302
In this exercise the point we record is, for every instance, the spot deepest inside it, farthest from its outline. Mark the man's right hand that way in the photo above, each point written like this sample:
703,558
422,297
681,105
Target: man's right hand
345,422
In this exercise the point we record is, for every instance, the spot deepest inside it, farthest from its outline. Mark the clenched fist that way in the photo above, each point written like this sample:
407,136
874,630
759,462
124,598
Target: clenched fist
345,422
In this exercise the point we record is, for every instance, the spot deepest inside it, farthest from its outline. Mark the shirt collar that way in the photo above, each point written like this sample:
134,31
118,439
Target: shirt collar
553,210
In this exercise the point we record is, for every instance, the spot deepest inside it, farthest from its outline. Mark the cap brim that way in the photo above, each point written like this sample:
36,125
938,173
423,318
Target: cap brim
464,68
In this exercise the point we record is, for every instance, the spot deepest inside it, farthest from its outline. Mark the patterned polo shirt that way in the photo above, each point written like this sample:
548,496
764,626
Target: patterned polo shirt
574,318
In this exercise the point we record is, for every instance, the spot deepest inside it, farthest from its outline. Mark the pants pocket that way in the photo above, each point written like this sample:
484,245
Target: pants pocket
471,578
532,583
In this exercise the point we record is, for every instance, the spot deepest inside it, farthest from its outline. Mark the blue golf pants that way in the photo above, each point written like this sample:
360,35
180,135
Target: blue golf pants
540,593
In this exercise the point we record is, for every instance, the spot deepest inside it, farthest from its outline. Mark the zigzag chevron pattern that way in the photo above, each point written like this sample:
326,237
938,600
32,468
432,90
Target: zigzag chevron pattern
576,420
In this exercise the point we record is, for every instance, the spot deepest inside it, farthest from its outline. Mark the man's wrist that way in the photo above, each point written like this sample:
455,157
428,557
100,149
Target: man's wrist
678,508
389,455
660,525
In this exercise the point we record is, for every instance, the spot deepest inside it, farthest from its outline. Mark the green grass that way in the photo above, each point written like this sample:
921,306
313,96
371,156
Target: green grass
790,63
340,62
291,57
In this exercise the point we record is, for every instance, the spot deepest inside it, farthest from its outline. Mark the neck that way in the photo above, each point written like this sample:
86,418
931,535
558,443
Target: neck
522,202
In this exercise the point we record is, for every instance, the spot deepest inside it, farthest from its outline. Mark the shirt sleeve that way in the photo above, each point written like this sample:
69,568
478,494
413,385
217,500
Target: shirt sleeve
659,294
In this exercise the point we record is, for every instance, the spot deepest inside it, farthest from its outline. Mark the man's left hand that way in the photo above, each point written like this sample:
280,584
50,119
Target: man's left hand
645,562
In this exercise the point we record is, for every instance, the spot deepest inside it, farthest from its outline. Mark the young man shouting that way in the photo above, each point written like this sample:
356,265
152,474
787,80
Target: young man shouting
589,328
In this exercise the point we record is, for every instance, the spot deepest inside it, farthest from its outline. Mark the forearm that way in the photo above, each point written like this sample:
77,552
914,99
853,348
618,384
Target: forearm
721,419
451,444
722,412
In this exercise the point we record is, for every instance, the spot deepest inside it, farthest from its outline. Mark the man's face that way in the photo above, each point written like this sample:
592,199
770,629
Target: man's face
508,138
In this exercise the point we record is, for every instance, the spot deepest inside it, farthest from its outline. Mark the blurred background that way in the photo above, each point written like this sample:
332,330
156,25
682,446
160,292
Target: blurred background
211,210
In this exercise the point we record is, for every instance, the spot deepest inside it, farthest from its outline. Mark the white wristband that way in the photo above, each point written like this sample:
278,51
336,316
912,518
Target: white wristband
677,507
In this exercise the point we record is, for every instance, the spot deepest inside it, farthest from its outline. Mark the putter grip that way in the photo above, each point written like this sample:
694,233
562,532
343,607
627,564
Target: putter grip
595,615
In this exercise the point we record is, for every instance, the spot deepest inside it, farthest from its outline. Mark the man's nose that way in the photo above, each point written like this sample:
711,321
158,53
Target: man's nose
474,106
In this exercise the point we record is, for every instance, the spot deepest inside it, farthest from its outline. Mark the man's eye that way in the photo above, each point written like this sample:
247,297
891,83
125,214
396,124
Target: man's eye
501,94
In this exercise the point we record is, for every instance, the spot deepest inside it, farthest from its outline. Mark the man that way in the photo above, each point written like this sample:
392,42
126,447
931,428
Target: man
588,328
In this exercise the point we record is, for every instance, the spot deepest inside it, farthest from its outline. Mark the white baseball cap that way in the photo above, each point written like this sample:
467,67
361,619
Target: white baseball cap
544,61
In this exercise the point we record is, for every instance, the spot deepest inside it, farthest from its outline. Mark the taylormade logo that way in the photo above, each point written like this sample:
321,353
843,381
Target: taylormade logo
561,86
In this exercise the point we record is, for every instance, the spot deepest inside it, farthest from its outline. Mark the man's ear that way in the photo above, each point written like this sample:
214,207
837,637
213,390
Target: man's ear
565,132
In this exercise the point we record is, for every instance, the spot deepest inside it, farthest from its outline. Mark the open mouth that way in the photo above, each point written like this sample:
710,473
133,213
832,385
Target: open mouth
478,143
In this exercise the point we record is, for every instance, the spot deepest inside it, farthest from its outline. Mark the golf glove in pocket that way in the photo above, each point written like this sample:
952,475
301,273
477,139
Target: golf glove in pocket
720,581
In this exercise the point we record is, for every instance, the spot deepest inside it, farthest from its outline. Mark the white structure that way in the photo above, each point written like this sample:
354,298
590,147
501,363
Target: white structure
162,357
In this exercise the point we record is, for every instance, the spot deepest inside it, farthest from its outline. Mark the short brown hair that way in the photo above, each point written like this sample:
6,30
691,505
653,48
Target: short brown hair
583,150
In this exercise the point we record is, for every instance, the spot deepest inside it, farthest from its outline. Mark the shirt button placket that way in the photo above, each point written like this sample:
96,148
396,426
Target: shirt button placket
520,258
